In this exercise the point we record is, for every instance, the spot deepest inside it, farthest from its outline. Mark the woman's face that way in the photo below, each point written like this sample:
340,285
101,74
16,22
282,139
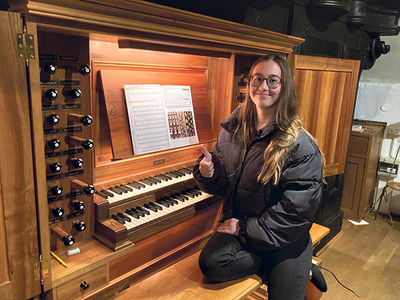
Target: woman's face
264,97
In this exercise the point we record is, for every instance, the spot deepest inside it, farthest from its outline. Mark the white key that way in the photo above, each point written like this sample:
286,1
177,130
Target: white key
147,189
166,211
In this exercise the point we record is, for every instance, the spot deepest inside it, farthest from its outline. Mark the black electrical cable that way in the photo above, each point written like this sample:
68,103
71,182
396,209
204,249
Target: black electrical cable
339,281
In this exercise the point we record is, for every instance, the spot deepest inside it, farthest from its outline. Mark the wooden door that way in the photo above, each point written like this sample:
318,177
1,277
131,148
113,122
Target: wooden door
352,188
326,90
19,250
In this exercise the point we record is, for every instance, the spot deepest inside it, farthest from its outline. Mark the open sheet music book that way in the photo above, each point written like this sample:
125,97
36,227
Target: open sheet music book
160,117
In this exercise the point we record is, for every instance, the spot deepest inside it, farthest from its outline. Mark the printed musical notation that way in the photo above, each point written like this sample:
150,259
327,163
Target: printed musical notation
160,117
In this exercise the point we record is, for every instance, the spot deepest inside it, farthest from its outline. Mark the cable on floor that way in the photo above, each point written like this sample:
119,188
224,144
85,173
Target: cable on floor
339,281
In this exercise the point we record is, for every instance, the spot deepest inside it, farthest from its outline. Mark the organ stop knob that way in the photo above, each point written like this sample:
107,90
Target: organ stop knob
55,167
80,226
56,190
75,93
86,120
67,239
53,119
87,144
88,189
85,70
77,162
50,68
79,205
51,94
57,211
53,144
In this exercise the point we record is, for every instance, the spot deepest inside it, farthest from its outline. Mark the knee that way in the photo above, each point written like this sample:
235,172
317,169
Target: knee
214,267
208,265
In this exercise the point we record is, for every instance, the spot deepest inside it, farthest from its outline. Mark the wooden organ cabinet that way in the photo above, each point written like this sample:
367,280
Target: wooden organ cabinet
67,168
361,169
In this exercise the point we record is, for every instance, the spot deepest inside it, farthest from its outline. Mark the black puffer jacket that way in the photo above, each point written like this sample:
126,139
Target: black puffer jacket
271,217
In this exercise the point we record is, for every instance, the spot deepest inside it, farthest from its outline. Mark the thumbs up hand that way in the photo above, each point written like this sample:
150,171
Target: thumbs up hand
206,166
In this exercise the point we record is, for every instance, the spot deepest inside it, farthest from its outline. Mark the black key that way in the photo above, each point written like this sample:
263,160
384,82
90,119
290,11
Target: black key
166,176
138,212
189,193
163,177
173,175
127,187
181,198
143,210
163,202
120,188
118,219
177,173
171,200
190,169
180,172
151,207
101,195
117,191
136,185
131,213
155,179
146,181
186,171
124,217
107,193
195,192
156,205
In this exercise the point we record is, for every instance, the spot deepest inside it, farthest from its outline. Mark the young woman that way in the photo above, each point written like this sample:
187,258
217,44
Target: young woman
269,170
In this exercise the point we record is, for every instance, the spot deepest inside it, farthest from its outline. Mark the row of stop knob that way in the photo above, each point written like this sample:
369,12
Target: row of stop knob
55,167
87,144
52,94
51,68
86,120
62,235
88,189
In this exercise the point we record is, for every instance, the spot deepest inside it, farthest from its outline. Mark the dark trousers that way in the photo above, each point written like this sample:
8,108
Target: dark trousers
225,258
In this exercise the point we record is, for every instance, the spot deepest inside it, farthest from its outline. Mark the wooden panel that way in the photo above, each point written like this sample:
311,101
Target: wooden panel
113,81
358,146
73,290
18,219
326,90
352,187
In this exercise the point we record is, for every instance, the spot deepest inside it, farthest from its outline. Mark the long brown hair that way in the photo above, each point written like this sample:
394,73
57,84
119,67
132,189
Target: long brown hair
286,118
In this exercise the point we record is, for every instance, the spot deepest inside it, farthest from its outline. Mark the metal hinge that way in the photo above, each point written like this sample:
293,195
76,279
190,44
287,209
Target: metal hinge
44,270
26,47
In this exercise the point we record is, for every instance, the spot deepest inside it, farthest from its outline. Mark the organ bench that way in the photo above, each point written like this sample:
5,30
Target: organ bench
184,280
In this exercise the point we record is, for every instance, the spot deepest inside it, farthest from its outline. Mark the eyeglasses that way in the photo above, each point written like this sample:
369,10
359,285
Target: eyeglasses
273,81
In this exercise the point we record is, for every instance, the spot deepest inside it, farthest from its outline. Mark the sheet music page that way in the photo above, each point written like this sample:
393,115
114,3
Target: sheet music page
160,117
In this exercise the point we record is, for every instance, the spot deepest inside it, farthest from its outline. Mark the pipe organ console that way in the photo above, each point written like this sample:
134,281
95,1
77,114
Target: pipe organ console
129,214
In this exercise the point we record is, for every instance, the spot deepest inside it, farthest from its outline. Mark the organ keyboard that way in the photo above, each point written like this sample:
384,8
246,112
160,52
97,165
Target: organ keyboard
146,206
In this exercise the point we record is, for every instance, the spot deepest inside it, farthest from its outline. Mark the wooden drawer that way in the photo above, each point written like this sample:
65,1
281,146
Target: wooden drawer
73,290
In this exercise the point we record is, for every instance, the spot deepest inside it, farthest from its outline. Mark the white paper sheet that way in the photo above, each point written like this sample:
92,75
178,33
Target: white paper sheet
160,117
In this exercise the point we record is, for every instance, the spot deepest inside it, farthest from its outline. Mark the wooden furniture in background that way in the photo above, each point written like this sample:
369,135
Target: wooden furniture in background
361,168
326,89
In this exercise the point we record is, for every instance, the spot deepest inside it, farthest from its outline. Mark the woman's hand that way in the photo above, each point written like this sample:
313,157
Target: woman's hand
230,226
206,166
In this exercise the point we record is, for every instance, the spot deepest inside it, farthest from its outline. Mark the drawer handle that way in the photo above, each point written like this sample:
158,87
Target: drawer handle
84,285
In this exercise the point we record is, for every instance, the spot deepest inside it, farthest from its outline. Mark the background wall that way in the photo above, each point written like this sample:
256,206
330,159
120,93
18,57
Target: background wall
378,99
